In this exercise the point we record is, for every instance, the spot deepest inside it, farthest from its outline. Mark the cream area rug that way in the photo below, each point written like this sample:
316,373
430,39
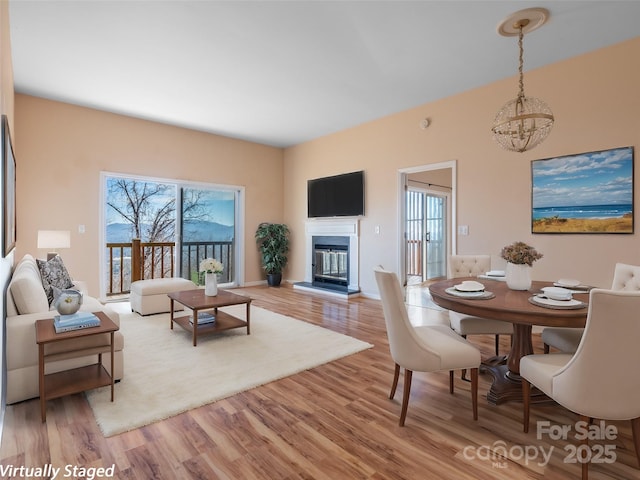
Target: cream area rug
164,374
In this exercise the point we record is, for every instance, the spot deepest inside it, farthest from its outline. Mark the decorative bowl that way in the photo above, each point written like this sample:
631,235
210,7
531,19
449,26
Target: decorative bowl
68,302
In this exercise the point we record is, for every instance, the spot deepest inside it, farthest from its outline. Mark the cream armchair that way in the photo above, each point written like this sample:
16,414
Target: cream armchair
601,379
472,266
625,278
422,349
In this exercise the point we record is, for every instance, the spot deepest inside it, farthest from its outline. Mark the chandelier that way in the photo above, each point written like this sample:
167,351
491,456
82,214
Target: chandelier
525,122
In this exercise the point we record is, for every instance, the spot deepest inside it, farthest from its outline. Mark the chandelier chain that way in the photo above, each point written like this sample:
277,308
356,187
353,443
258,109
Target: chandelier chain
521,61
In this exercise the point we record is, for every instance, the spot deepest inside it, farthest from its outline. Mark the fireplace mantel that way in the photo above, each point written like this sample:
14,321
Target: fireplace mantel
334,228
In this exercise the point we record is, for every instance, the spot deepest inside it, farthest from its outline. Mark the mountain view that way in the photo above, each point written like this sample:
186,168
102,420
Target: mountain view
193,231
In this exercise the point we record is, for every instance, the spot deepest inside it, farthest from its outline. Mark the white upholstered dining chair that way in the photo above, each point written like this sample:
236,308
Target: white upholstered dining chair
625,278
472,266
424,348
601,379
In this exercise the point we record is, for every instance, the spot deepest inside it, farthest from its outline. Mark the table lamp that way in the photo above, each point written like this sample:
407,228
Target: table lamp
52,240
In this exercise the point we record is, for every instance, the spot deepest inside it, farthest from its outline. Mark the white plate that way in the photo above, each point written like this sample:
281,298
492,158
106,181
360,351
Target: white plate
495,273
458,293
557,303
469,286
557,293
567,282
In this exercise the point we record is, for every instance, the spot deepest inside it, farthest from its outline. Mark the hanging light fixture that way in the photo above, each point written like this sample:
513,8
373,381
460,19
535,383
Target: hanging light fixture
525,122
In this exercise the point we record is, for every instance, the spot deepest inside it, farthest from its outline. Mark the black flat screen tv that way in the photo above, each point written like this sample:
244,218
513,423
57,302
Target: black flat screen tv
336,196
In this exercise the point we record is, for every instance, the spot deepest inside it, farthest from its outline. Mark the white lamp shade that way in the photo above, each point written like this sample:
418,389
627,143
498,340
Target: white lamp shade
54,239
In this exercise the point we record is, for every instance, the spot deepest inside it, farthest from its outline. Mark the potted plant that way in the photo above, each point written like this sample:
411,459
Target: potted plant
273,241
520,258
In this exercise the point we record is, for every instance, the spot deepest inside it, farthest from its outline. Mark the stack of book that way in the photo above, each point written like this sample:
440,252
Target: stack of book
76,321
204,318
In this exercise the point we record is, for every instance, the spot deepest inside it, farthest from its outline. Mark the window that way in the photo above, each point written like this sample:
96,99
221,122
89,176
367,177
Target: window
178,225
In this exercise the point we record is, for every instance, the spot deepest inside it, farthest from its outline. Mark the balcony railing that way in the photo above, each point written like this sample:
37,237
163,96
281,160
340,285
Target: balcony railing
128,262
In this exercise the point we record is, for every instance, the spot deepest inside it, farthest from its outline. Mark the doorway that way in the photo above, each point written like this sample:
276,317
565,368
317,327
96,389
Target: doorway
426,235
427,221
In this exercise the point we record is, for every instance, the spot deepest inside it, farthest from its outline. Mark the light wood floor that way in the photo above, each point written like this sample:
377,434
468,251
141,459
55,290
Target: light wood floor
332,422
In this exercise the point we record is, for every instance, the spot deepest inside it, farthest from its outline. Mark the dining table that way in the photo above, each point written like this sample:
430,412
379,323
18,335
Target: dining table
520,308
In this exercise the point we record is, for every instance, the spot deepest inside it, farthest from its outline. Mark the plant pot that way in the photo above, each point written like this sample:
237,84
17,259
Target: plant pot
518,276
274,279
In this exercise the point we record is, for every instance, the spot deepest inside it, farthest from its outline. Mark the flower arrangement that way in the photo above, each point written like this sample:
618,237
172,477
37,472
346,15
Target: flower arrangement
211,265
520,253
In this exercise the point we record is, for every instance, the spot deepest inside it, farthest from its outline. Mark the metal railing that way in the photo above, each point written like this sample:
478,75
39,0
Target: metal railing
128,262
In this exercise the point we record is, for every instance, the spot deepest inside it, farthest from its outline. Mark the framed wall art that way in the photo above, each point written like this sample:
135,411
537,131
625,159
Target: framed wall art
583,193
9,190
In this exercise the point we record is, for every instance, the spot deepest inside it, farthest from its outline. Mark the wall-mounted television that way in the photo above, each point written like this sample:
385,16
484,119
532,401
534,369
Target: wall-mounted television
336,196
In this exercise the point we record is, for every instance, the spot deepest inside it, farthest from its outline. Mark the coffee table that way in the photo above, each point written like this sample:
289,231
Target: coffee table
197,301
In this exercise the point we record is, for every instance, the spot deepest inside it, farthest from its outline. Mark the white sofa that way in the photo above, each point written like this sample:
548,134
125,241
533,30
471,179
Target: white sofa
26,302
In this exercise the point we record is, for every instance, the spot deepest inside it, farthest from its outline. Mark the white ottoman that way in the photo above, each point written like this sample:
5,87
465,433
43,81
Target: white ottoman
150,296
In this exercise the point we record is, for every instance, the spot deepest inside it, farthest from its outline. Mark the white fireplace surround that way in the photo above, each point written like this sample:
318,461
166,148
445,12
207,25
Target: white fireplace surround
334,228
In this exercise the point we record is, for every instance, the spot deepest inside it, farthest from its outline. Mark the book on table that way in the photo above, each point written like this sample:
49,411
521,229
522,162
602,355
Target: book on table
204,318
75,321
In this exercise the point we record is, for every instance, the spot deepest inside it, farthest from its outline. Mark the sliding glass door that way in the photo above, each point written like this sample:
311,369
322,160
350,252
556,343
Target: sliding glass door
425,231
208,230
177,224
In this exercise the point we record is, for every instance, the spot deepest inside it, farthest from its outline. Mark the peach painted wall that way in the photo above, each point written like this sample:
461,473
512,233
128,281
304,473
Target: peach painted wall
62,149
595,100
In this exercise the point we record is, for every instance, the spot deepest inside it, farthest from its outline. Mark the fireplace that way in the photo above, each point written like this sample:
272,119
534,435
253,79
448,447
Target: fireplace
330,265
332,257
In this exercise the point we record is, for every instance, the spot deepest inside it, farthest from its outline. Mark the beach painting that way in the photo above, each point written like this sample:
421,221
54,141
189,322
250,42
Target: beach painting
584,193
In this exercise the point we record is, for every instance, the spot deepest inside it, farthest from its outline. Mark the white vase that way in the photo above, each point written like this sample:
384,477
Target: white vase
518,276
210,284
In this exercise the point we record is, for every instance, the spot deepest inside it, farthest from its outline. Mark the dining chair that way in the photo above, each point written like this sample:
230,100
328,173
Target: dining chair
472,266
599,380
625,278
429,348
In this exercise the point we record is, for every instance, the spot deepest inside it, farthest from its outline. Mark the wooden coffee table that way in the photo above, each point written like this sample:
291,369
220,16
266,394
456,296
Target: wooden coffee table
197,301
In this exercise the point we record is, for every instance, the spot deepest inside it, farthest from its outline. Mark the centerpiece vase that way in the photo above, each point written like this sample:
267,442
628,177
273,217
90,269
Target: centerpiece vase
210,284
518,276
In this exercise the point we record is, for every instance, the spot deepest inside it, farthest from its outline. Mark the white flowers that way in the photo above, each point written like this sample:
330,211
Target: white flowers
211,265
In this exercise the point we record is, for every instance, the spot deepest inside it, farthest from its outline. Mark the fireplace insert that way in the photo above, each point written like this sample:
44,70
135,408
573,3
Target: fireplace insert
331,262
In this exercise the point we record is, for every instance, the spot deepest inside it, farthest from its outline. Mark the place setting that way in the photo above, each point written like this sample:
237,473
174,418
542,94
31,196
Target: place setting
470,289
560,295
499,275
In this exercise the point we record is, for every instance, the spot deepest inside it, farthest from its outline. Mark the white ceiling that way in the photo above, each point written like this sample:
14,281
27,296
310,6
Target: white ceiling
284,72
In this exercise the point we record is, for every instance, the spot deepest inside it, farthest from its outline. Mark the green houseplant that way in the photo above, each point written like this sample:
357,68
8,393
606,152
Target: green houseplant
273,242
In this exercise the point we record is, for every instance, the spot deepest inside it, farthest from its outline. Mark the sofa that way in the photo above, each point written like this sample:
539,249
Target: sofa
29,300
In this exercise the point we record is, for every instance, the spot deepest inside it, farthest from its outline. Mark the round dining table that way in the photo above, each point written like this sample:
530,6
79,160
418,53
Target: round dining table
512,306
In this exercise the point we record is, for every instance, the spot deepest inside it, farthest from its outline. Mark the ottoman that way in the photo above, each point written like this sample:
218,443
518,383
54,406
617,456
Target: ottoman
150,296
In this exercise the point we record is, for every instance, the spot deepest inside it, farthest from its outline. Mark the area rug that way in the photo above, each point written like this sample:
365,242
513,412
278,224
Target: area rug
164,374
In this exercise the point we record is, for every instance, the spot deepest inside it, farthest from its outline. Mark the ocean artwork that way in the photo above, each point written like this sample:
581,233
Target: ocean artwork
583,193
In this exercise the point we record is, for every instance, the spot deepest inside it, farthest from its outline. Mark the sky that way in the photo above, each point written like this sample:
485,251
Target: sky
593,178
218,204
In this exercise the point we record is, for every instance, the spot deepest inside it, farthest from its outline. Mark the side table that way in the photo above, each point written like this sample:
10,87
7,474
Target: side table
67,382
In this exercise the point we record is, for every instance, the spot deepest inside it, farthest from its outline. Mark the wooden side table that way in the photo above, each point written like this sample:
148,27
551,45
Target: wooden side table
67,382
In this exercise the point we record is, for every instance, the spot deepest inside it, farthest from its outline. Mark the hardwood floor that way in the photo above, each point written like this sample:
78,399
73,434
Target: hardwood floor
332,422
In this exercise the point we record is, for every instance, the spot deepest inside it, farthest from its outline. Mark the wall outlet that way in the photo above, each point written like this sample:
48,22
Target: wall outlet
80,228
463,229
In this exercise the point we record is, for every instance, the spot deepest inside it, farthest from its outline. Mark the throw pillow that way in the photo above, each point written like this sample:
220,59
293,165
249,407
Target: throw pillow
54,274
